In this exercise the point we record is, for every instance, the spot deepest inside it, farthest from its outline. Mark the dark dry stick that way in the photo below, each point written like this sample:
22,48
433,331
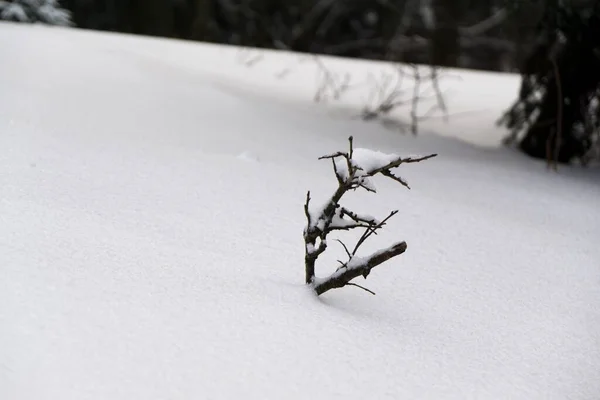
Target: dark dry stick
362,287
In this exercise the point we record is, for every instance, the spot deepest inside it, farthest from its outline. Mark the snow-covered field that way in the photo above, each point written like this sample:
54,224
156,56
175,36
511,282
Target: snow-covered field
151,222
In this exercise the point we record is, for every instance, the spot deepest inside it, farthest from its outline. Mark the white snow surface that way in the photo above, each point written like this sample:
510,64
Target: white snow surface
142,258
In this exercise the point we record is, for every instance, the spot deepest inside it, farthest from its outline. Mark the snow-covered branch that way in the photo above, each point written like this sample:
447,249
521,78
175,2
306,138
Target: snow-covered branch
353,170
356,267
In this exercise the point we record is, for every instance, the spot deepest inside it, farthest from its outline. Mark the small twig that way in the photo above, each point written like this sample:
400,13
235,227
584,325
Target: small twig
306,210
399,161
339,178
355,217
372,231
396,178
345,248
334,155
362,287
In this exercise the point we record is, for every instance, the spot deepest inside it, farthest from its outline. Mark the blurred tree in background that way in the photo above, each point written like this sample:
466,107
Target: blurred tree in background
481,34
555,44
32,11
557,113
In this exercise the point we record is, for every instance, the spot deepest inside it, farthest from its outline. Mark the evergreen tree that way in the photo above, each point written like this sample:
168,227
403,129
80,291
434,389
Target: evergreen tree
32,11
557,113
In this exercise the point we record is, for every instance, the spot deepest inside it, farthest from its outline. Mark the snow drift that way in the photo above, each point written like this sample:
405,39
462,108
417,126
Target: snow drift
141,257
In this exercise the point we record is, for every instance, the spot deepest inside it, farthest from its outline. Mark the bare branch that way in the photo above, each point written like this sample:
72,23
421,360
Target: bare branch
399,161
337,173
334,155
347,227
350,139
371,231
362,287
345,248
396,178
358,218
306,205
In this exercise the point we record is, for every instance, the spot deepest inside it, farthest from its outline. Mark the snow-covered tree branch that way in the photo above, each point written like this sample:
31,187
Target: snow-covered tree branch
353,170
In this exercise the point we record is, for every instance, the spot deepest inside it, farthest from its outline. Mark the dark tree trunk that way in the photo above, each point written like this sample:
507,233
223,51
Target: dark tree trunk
203,13
152,17
445,45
